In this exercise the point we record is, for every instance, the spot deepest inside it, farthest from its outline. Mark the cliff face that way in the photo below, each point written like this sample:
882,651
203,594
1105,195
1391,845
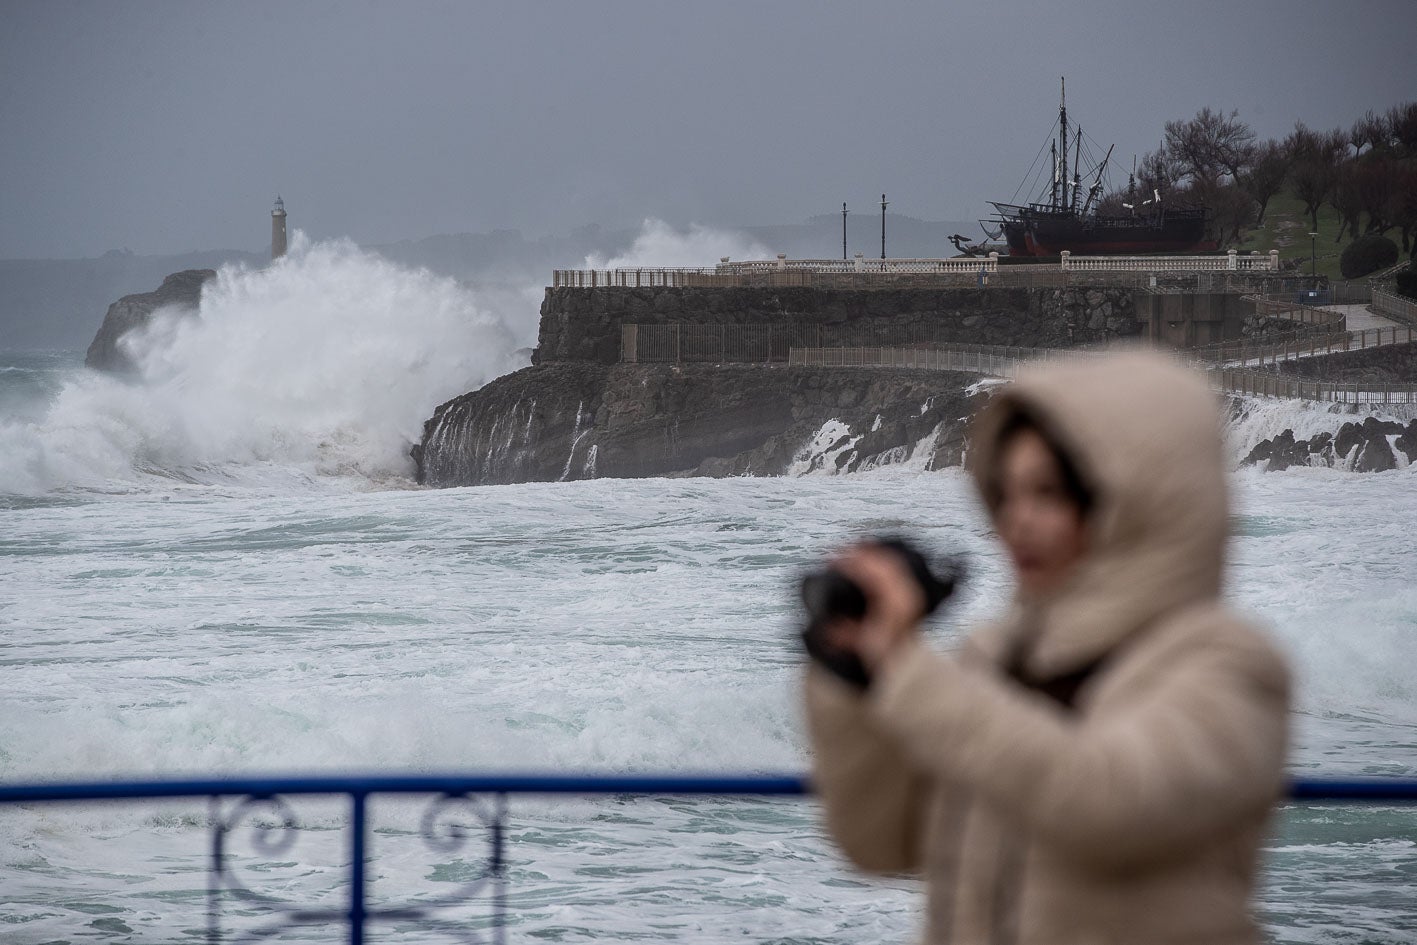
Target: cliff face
181,290
583,420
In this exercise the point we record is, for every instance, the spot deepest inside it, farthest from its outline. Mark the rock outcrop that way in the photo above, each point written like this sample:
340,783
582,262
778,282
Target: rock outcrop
181,291
581,420
1370,446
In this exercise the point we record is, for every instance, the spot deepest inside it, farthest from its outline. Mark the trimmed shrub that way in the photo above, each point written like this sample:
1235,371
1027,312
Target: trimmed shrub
1407,283
1367,254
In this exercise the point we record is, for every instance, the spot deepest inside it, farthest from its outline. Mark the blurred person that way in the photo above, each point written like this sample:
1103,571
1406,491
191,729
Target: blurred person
1098,766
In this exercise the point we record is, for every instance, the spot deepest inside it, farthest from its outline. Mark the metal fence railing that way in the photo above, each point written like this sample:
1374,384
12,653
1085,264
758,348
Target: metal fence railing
688,343
1267,384
691,343
993,360
1389,303
466,815
1290,347
1005,362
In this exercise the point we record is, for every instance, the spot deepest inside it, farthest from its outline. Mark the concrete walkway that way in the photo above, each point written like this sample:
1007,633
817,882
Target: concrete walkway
1360,319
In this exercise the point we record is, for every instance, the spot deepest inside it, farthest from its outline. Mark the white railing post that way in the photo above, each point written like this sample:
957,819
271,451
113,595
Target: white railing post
859,263
782,260
1232,260
1063,259
1274,260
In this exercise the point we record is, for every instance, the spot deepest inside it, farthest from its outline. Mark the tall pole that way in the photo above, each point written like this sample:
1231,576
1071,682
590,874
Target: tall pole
1313,257
883,226
844,212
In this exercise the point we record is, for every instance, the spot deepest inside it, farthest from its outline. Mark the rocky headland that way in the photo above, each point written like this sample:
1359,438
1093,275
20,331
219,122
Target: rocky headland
581,420
581,411
181,291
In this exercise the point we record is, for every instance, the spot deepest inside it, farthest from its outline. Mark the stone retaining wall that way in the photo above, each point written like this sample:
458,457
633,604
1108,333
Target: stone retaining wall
579,324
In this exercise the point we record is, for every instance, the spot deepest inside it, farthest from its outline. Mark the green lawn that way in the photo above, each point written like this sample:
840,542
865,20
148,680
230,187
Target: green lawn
1286,228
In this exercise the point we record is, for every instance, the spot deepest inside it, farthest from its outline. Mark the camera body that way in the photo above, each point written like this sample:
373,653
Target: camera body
830,595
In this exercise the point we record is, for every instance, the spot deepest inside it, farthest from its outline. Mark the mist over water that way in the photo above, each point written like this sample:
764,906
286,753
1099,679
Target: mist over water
324,364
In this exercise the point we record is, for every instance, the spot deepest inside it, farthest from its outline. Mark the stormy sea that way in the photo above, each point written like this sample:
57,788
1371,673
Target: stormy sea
221,567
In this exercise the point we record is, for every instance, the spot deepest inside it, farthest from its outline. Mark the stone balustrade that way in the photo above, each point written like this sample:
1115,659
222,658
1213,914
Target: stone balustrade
981,270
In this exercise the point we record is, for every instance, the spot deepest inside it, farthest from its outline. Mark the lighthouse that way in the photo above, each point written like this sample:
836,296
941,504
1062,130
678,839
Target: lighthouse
278,229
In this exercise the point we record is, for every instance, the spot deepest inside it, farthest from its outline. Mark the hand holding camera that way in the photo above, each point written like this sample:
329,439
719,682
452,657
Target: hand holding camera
867,601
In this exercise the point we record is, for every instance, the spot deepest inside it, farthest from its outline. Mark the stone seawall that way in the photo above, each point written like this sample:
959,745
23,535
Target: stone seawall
580,324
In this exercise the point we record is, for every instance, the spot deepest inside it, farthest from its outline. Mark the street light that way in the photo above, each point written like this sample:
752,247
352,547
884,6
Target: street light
883,226
844,212
1313,257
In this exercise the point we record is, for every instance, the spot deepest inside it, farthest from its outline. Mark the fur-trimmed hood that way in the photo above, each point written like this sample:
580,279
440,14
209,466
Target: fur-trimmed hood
1145,435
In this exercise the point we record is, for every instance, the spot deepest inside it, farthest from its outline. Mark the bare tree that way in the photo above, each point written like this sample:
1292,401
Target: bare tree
1316,156
1370,131
1402,128
1344,197
1210,146
1265,176
1158,171
1403,209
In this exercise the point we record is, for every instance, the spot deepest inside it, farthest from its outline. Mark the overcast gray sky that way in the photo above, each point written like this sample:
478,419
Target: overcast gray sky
164,127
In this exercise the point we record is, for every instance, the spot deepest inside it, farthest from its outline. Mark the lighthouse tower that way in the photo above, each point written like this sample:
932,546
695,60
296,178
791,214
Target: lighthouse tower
278,229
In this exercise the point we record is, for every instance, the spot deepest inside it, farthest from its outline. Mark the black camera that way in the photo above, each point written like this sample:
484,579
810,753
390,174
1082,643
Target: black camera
830,595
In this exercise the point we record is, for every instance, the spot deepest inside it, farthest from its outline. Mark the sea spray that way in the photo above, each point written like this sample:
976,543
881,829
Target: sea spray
660,245
324,364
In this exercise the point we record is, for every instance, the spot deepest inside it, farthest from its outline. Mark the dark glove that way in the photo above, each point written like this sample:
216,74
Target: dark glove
843,664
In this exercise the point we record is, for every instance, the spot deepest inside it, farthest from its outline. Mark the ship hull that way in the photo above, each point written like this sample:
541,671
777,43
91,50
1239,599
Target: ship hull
1033,233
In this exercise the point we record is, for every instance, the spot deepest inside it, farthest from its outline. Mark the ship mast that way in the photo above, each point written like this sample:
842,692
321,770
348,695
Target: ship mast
1097,182
1077,160
1053,202
1062,167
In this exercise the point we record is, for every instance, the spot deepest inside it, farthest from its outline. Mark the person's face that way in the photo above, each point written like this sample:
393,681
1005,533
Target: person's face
1040,524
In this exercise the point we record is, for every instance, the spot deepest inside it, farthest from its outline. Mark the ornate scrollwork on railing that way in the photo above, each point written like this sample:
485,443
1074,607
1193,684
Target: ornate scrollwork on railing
270,838
450,824
443,834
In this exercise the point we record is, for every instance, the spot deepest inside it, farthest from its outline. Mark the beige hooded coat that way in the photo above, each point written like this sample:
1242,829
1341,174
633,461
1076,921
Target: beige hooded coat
1135,813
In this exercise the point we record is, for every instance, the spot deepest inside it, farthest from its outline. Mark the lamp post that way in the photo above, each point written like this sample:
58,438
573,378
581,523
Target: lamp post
1313,257
883,226
844,212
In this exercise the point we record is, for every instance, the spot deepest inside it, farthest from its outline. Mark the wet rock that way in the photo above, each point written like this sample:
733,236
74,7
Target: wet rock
1349,435
179,292
1263,450
1375,455
1407,442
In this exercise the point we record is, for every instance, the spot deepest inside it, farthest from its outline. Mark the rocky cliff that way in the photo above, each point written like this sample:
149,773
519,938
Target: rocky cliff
579,413
584,420
181,291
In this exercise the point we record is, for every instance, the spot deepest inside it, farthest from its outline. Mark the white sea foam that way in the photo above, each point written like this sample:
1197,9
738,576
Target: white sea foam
602,625
1263,418
324,364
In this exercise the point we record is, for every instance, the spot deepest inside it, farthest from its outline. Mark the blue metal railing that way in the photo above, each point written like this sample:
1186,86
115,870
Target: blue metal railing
483,796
